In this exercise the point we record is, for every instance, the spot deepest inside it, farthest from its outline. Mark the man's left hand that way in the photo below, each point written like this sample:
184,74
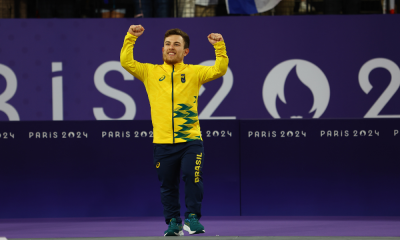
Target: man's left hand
213,38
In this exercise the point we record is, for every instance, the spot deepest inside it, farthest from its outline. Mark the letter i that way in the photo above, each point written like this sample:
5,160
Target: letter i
57,85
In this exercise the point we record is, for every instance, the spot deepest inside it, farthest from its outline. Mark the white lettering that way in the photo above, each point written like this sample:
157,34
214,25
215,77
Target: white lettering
99,81
363,79
56,66
256,134
250,133
11,88
336,133
263,134
57,93
31,134
396,132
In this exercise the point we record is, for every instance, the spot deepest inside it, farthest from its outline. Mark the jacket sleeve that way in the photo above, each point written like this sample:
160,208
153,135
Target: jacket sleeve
220,67
137,69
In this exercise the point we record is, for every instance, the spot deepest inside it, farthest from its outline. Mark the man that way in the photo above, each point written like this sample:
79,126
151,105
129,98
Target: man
173,90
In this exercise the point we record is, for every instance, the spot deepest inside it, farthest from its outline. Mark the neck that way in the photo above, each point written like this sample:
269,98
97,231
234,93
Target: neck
172,64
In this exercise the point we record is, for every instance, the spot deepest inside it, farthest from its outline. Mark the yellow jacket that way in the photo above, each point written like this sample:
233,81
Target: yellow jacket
173,92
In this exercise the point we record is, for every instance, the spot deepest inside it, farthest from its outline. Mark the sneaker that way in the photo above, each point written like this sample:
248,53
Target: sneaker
192,225
174,228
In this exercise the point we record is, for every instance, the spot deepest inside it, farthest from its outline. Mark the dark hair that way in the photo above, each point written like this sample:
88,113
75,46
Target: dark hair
177,31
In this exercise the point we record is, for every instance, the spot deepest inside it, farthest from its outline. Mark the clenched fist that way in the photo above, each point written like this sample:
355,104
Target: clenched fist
213,38
136,30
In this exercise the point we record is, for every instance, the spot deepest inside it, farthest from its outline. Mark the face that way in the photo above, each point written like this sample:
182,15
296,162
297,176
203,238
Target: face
173,50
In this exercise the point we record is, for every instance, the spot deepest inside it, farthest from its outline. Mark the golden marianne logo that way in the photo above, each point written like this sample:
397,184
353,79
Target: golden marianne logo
197,168
158,165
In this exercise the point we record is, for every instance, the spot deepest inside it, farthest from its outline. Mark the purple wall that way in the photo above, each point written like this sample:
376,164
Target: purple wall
320,167
317,167
101,175
326,64
280,67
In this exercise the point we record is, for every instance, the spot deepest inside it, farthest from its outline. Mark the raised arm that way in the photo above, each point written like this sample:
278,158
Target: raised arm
137,69
220,67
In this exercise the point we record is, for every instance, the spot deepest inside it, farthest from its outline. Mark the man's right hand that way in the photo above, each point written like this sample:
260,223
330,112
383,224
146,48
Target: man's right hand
136,30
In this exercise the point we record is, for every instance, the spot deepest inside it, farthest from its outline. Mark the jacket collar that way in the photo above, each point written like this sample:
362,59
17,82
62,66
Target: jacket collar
177,66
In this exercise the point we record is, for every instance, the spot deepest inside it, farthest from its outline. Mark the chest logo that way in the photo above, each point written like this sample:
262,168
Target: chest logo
161,78
183,79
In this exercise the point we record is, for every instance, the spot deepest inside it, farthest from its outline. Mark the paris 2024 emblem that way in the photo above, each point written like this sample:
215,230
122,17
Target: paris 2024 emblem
308,73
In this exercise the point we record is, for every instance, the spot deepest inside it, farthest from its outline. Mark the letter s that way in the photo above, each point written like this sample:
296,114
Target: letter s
99,82
11,88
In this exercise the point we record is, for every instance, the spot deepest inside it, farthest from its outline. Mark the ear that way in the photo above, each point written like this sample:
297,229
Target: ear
186,51
162,49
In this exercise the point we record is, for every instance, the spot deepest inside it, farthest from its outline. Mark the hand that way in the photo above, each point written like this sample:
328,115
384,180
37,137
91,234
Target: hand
213,38
136,30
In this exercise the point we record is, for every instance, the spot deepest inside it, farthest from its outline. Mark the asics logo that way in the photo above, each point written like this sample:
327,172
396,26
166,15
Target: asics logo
161,78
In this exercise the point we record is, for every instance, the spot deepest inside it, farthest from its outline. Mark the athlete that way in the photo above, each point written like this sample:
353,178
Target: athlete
173,90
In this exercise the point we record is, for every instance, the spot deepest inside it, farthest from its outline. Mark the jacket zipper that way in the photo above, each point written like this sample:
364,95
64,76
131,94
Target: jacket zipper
173,131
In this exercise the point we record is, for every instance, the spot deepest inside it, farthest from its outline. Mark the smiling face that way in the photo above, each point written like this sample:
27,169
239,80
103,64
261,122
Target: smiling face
173,50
